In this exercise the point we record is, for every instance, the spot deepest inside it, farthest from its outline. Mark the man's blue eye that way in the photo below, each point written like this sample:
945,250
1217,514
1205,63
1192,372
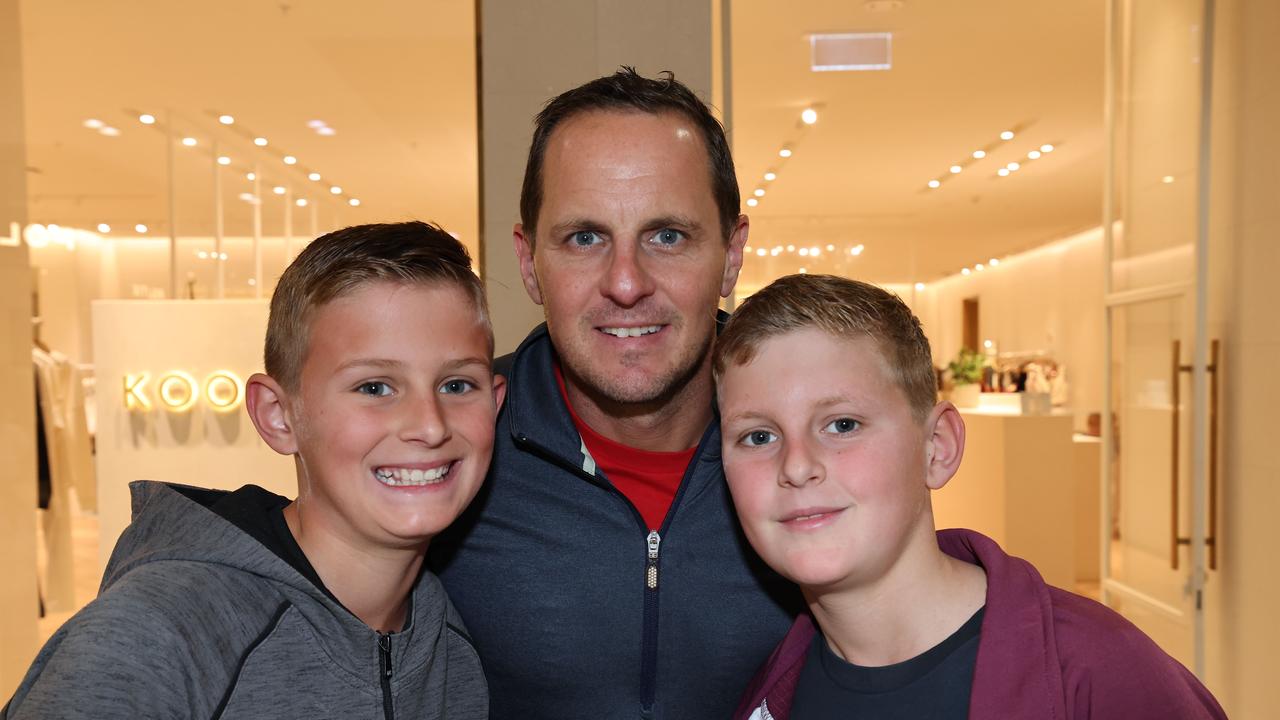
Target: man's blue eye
585,238
667,236
374,388
842,425
457,387
758,437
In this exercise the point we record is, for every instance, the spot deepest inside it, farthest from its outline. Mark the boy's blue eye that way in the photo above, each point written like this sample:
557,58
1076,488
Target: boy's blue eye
585,238
457,387
758,437
841,426
374,388
668,236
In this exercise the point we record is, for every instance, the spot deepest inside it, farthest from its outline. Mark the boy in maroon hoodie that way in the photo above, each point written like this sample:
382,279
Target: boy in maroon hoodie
832,441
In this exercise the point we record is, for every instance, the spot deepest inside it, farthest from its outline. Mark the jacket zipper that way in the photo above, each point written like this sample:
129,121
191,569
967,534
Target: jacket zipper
384,670
653,542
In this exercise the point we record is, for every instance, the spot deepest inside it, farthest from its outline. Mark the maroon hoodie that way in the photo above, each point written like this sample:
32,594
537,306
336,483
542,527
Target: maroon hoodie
1044,653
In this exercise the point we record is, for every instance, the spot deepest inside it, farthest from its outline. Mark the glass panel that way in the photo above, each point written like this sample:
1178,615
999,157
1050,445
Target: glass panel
1157,142
1144,391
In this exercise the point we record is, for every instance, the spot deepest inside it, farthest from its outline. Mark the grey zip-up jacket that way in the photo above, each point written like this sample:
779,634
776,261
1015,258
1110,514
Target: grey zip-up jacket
196,619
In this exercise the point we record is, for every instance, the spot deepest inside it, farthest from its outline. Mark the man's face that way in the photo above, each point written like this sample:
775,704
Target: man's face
395,412
629,260
825,459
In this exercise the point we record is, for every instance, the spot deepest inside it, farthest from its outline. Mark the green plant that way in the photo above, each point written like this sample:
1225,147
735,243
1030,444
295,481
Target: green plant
966,369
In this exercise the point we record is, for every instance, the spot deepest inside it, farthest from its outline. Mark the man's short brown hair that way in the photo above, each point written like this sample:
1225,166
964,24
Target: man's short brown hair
844,308
337,264
628,91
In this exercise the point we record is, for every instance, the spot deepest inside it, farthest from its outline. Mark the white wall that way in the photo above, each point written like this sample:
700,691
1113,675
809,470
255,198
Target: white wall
1046,299
198,447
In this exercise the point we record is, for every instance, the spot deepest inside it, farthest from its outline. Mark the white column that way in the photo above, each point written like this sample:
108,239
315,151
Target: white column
18,598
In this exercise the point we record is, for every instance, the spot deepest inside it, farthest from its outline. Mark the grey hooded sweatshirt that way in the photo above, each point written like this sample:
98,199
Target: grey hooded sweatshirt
196,619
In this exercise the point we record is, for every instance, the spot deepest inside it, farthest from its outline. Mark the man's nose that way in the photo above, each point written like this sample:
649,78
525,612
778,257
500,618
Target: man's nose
627,279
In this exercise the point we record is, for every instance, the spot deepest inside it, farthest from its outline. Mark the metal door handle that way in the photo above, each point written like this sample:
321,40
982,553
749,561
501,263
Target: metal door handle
1175,539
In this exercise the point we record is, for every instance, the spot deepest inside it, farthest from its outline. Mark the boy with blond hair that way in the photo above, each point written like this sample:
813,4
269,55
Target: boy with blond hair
379,383
832,440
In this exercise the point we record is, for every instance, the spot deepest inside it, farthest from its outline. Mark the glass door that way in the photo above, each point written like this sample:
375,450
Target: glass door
1156,539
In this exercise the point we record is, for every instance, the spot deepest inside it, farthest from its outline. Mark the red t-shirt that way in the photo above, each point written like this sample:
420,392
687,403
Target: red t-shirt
648,479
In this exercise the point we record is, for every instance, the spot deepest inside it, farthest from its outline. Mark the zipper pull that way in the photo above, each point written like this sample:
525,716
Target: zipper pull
384,653
651,568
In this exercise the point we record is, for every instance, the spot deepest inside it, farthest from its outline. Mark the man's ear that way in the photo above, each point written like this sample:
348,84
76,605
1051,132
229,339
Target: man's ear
266,402
944,444
733,255
524,253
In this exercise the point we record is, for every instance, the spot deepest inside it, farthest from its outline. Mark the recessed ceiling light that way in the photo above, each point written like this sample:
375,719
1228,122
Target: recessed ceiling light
250,176
979,267
770,176
140,228
993,262
919,286
979,154
964,271
955,169
147,119
1033,155
354,202
226,119
761,252
189,141
804,252
247,197
253,281
326,131
934,183
809,116
335,190
104,228
785,152
224,160
109,131
857,249
222,256
1003,172
831,248
93,123
1006,135
203,255
279,189
314,124
1046,148
290,160
1167,179
752,202
1013,166
260,141
815,251
759,192
314,176
791,248
301,202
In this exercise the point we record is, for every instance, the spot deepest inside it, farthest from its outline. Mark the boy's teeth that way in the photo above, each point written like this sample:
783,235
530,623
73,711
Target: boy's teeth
398,477
631,331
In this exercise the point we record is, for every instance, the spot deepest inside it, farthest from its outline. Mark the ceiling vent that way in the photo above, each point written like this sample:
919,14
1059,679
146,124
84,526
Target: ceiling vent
830,52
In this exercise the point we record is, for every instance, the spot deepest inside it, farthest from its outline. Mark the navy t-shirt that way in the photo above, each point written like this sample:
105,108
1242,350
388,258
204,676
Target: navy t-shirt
934,684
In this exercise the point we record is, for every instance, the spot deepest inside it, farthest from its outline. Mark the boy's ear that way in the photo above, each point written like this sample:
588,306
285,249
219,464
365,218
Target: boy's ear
944,444
499,392
265,400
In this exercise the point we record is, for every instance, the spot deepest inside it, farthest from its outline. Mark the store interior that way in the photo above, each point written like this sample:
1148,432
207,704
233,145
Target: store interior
1062,192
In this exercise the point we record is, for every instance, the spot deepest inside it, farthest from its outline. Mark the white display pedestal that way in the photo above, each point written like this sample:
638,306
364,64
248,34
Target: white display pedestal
150,356
1016,485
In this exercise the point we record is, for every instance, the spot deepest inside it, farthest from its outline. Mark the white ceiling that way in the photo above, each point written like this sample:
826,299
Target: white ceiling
396,80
